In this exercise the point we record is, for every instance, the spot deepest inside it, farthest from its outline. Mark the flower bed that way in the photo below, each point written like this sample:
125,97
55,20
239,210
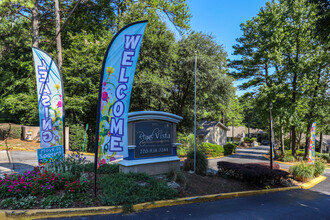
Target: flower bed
70,183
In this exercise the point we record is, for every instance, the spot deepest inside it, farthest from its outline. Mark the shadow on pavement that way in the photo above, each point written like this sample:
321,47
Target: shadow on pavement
22,167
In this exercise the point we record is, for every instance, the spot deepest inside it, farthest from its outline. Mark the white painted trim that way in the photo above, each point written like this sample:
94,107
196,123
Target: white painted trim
128,163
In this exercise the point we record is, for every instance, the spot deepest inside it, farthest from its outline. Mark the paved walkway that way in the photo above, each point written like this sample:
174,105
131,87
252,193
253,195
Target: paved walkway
246,155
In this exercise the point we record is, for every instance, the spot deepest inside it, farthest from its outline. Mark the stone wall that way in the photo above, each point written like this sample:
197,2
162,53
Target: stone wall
36,134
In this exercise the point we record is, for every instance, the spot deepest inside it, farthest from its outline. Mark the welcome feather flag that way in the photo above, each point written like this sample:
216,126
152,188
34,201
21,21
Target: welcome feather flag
115,91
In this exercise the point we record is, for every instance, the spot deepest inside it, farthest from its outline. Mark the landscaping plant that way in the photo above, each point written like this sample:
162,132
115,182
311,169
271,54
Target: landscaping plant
302,171
259,174
201,162
288,158
229,148
133,188
319,168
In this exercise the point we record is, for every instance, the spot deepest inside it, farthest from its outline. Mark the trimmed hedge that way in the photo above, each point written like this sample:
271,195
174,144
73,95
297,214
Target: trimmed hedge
213,150
258,174
229,148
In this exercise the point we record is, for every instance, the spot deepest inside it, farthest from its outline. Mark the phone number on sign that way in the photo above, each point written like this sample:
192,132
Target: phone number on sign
154,150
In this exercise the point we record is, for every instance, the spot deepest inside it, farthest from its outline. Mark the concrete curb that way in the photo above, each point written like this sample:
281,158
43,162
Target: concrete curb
313,182
74,212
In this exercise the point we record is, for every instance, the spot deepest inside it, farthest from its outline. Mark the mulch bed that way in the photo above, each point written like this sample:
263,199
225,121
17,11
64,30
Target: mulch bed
213,184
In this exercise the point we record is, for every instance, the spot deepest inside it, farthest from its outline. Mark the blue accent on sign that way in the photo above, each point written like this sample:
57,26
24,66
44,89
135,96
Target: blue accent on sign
48,155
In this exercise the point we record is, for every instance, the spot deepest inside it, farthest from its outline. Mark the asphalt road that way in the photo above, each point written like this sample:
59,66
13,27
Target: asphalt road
294,204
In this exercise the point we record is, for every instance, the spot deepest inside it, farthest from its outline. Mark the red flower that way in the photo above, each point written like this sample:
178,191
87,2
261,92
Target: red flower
105,96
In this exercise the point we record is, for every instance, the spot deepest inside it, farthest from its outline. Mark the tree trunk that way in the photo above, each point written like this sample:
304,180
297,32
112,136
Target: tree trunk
308,135
58,34
321,142
35,24
293,139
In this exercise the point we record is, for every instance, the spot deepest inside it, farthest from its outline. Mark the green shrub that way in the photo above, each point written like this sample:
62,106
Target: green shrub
11,130
74,163
288,158
76,140
132,188
213,149
324,156
302,171
229,148
247,139
253,139
201,162
319,168
22,203
104,169
182,150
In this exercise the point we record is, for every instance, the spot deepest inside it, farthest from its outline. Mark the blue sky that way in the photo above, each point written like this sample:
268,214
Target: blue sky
222,19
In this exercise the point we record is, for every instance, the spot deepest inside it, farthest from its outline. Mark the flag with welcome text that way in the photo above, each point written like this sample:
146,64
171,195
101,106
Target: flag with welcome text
50,100
311,152
116,83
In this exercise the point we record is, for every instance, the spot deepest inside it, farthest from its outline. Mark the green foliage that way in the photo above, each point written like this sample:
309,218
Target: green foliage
104,169
302,171
201,162
253,139
132,188
9,130
319,168
247,139
76,141
213,149
289,158
19,203
324,156
276,51
74,164
229,148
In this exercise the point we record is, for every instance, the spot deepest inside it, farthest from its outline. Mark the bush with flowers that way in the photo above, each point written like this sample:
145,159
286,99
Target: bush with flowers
55,180
66,183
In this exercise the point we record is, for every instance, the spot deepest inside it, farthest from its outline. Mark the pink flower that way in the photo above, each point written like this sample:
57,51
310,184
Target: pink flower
59,104
104,83
17,190
103,161
105,96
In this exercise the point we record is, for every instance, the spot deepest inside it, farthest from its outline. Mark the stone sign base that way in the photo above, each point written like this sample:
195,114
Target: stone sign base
151,166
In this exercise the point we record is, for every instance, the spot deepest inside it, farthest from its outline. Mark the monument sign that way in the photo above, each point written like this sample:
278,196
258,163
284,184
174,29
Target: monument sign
151,143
